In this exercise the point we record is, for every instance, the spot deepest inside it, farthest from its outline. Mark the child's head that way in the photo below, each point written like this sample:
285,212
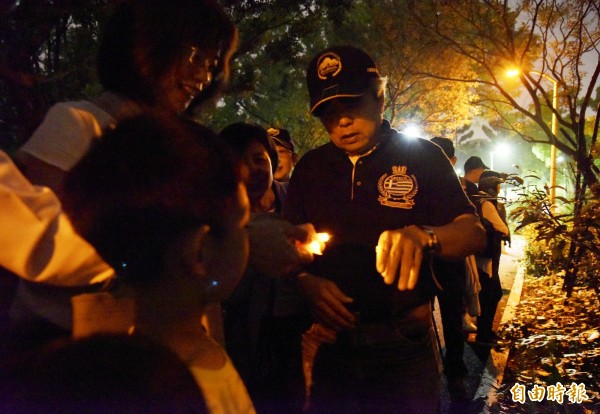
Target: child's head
159,194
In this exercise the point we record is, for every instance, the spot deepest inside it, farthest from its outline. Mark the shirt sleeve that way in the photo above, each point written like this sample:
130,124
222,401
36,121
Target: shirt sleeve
37,240
491,214
66,134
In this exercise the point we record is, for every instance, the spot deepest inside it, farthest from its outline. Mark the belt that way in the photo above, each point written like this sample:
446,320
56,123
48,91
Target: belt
412,326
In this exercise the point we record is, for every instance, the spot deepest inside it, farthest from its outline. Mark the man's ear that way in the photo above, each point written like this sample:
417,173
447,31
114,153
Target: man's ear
192,250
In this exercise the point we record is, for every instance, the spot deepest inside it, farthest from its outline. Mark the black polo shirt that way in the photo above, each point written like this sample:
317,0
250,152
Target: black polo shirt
403,181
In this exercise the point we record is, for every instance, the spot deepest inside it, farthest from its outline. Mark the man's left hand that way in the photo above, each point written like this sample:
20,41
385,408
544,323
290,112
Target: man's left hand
399,256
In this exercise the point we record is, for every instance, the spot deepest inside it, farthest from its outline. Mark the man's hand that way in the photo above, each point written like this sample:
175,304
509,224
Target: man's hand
399,256
326,302
273,244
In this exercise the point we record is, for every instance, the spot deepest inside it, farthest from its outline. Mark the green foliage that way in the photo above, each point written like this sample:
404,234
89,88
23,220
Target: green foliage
564,240
47,55
277,39
442,60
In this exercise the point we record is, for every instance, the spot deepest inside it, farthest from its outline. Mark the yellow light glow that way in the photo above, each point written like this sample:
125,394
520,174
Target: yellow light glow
317,243
323,237
314,247
512,72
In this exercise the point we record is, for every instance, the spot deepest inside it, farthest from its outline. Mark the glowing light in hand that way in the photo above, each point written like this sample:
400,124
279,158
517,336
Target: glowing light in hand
317,244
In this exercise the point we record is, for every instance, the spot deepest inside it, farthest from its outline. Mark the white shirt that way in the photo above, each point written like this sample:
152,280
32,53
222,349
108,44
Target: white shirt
37,240
223,389
67,132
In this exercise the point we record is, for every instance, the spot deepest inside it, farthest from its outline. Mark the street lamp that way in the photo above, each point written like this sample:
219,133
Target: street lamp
412,131
502,148
515,72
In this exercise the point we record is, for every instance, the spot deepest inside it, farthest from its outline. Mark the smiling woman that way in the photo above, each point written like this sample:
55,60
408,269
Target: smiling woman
165,55
142,63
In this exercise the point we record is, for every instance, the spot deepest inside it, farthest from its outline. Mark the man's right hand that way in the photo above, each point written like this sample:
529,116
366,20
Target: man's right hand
273,240
326,302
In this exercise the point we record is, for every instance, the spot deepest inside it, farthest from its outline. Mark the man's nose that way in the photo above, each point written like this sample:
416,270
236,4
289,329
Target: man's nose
345,120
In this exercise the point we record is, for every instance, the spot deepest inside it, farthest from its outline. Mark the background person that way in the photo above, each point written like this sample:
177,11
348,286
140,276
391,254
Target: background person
473,169
451,299
372,187
488,261
265,316
286,151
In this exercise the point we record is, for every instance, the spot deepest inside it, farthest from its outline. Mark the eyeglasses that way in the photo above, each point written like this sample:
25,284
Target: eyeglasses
199,61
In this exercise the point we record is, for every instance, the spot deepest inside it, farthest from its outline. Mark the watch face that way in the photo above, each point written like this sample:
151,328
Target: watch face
433,244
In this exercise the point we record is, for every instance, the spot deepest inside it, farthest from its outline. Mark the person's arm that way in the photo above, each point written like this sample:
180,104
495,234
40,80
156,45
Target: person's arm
40,172
490,213
325,300
64,136
275,244
37,241
400,252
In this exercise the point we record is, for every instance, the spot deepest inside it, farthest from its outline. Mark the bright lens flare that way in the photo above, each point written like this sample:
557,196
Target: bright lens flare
323,237
317,244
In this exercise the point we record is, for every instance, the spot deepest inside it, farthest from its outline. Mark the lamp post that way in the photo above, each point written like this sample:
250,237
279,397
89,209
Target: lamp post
552,194
554,133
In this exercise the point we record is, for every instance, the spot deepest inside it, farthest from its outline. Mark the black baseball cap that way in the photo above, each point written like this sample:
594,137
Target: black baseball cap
474,162
339,72
282,138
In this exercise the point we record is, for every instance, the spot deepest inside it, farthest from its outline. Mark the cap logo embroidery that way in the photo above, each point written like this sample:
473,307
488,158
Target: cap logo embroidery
328,65
398,189
273,132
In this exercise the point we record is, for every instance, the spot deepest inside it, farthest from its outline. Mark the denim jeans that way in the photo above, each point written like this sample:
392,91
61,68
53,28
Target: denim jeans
397,376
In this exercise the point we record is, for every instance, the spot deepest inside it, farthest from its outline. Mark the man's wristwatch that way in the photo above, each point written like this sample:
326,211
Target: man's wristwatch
432,246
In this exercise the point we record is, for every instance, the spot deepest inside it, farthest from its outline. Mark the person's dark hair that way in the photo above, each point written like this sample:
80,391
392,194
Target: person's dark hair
143,39
445,144
99,374
240,135
144,185
488,182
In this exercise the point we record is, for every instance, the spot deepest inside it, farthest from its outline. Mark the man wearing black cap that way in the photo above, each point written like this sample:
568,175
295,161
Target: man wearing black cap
286,151
473,167
389,203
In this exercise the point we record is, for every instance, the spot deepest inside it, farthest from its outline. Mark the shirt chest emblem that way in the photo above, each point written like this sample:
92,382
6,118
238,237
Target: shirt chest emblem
397,189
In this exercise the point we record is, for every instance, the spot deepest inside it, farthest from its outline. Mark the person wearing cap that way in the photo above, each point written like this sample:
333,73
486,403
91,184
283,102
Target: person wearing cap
265,317
473,168
452,305
286,150
488,261
387,211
